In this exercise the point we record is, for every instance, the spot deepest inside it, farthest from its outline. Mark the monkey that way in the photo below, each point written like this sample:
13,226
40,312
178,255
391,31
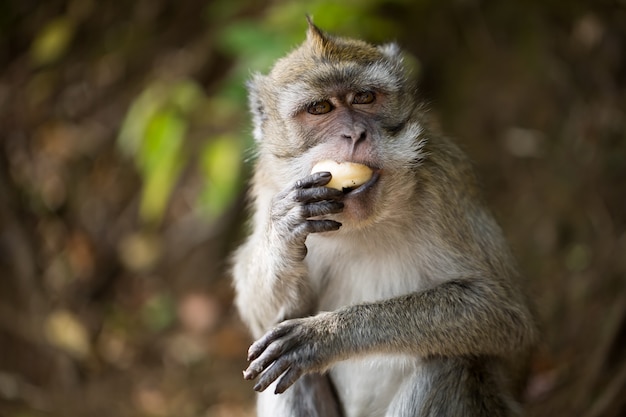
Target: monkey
396,297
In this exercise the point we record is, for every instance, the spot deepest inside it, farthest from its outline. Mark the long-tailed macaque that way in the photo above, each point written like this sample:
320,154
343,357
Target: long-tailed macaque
374,279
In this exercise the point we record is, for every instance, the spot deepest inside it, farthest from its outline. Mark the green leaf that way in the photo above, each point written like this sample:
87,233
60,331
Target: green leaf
220,163
160,161
141,111
153,135
52,41
158,312
258,46
185,95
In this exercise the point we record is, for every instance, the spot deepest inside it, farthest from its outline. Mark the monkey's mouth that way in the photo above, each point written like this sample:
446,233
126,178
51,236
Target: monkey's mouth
355,191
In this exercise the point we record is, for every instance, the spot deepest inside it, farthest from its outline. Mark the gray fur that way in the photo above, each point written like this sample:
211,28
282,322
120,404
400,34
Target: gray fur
408,303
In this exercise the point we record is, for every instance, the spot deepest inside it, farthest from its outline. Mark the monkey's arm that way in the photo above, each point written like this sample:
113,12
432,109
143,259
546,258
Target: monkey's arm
270,276
472,316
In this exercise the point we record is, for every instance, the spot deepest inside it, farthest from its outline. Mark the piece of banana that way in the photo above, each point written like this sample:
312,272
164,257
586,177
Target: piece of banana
345,174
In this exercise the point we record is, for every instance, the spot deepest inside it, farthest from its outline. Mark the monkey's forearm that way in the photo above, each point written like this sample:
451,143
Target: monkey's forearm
270,275
465,317
269,289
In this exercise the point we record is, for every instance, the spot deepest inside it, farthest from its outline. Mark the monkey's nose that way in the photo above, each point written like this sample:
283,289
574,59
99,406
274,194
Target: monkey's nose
358,134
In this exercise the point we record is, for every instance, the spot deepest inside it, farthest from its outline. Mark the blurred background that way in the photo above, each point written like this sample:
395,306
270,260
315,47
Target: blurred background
124,151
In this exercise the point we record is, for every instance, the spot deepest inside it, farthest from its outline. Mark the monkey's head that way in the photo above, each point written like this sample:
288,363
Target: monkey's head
344,100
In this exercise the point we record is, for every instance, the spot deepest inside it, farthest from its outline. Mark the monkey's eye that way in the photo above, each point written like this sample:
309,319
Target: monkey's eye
364,97
320,107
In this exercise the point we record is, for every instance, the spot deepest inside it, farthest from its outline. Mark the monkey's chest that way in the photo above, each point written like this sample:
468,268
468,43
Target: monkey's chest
342,277
343,273
367,386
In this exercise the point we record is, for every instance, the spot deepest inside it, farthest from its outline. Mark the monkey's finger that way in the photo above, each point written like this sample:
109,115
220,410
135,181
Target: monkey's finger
254,369
258,347
321,208
269,376
288,379
314,180
320,226
317,194
269,355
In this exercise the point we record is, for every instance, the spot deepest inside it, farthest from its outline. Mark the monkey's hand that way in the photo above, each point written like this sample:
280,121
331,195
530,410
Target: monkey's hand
294,212
291,349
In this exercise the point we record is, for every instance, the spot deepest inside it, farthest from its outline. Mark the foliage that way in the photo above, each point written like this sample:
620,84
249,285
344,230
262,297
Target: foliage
156,123
153,133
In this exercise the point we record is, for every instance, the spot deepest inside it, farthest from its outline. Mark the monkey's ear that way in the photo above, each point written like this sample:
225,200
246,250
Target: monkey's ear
257,108
316,38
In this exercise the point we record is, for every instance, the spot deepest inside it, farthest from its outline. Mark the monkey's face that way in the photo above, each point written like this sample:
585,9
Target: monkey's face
341,100
343,126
